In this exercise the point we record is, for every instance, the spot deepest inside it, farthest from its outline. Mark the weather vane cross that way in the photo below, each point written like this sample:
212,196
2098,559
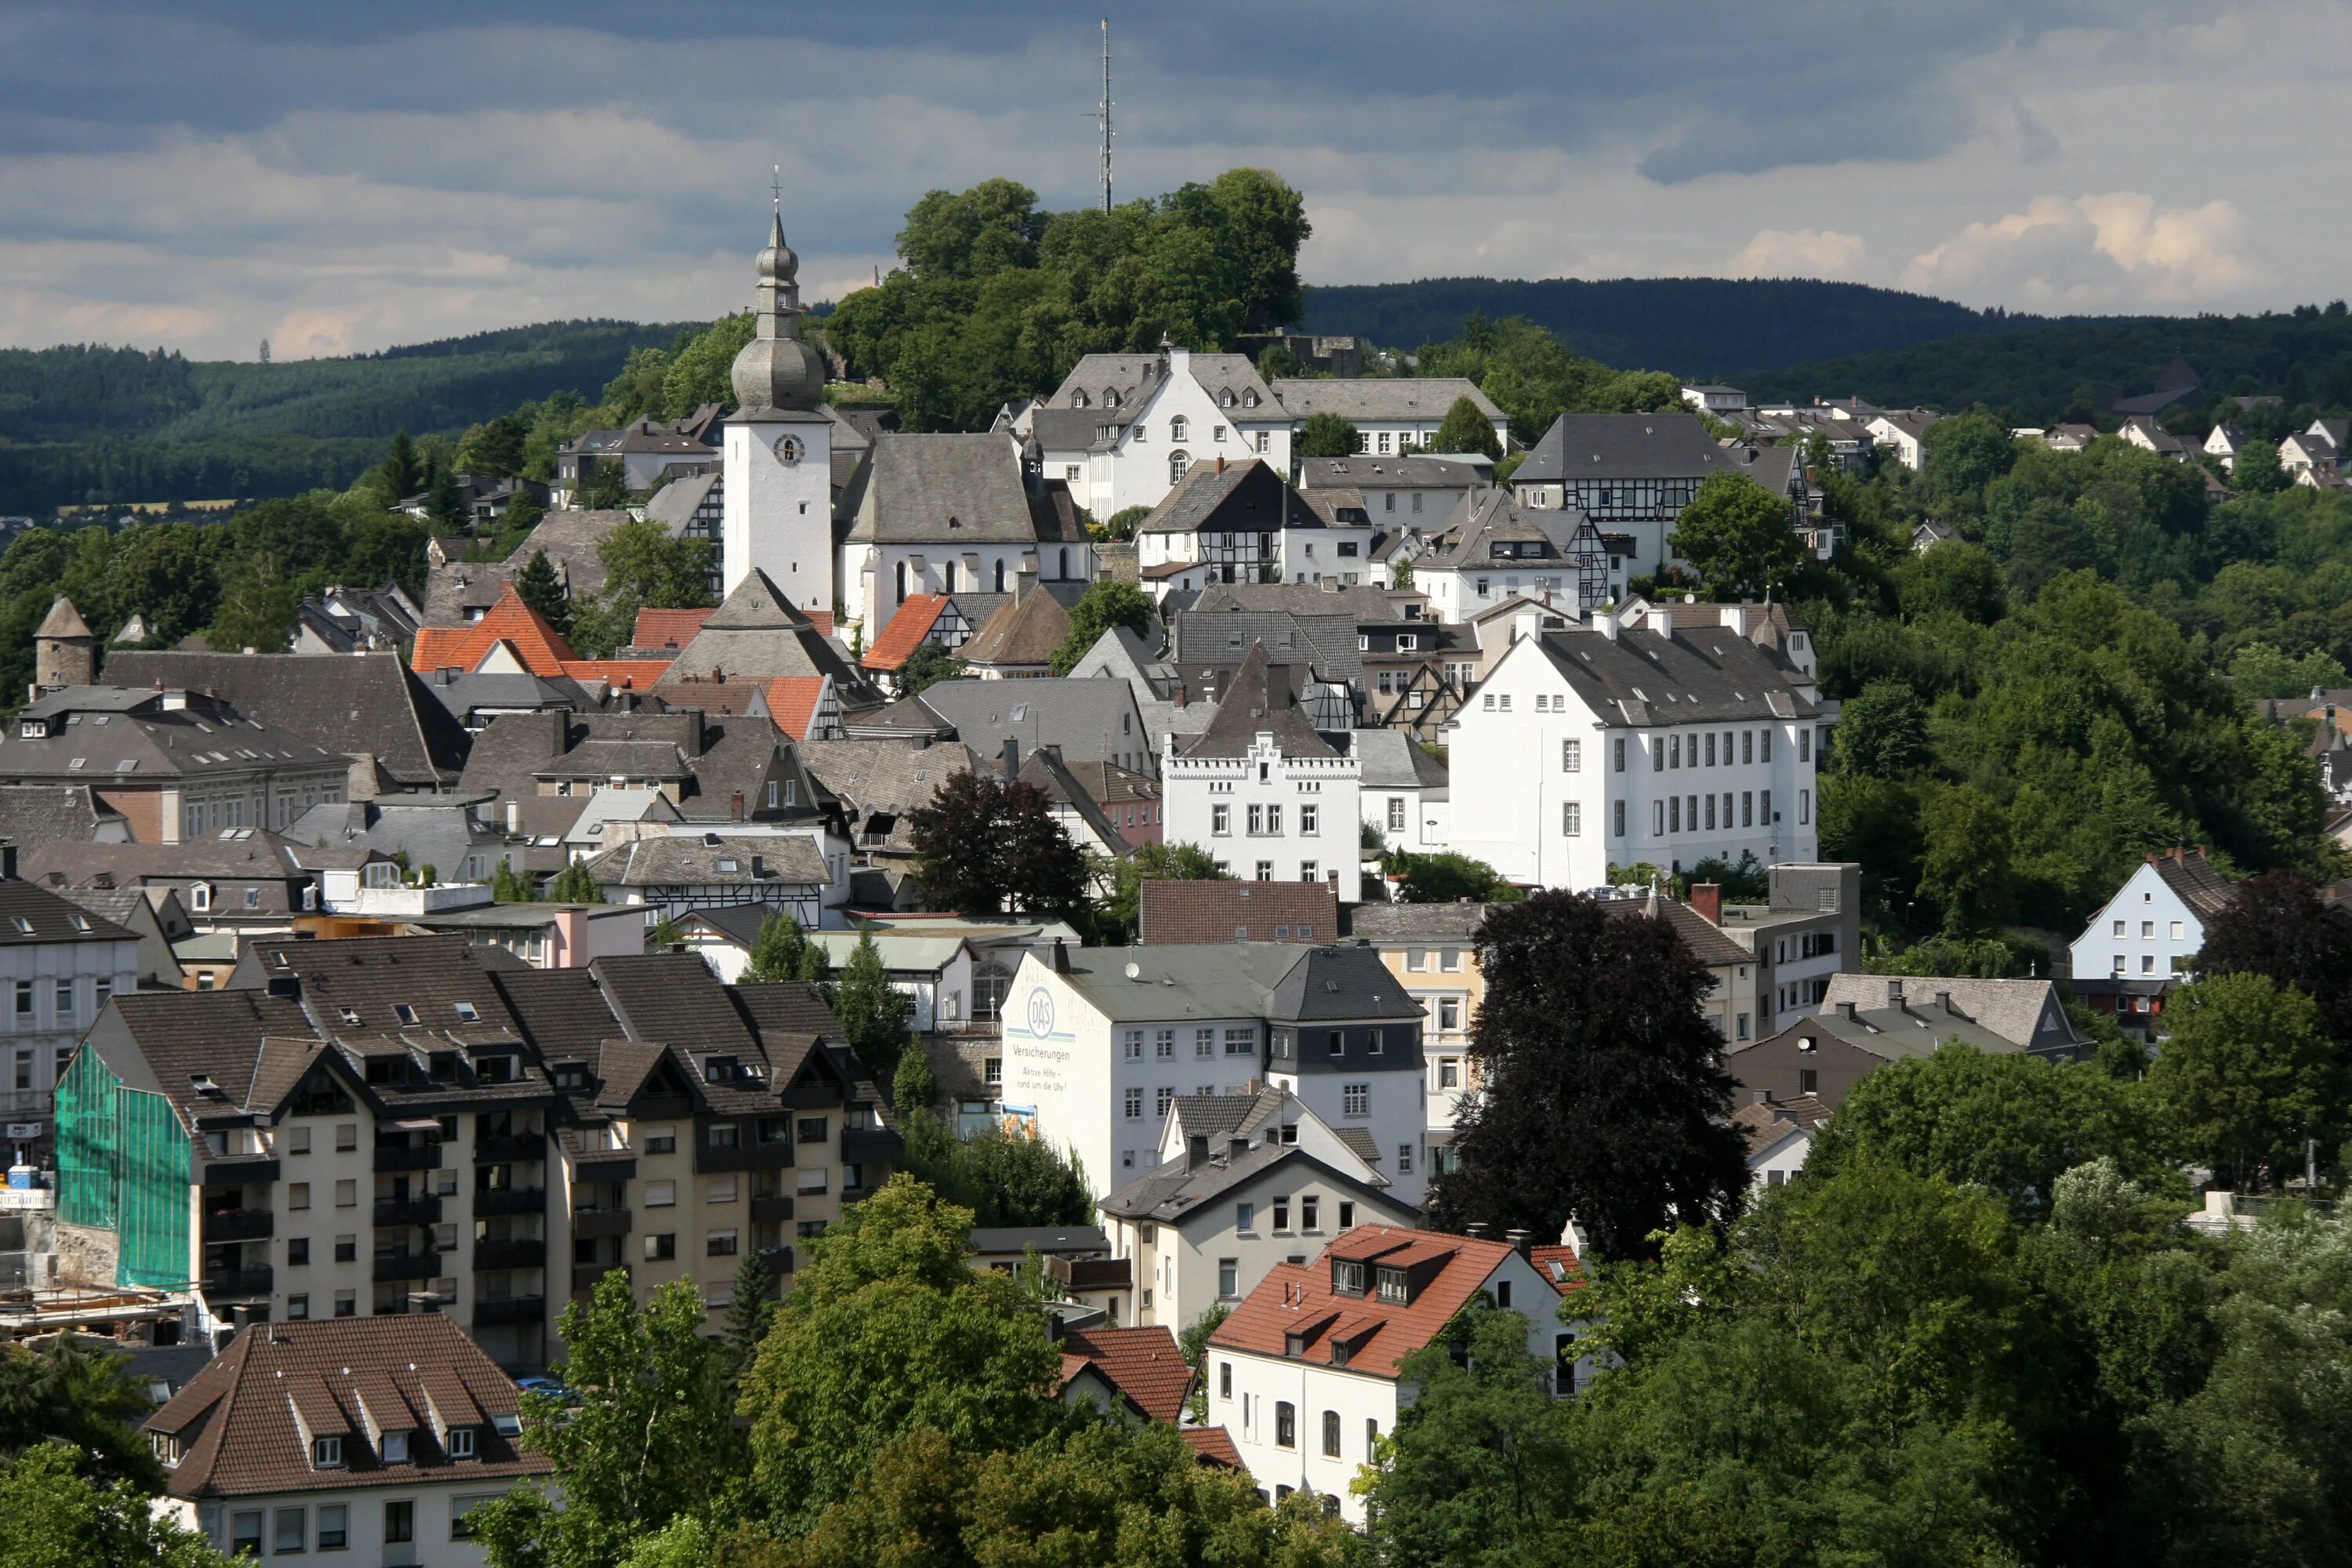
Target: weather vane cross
776,188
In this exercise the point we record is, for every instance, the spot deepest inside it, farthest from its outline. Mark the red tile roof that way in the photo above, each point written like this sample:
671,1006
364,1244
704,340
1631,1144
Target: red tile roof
905,632
625,674
414,1372
1143,1363
1189,913
1558,1265
666,629
791,701
1298,1298
1214,1446
539,646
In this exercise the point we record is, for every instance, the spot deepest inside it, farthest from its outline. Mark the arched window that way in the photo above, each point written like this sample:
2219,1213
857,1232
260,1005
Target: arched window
1179,429
1065,572
1110,397
901,572
1078,399
1176,463
948,577
1000,575
1225,399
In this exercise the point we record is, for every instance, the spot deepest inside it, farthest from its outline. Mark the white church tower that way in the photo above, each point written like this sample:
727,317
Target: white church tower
779,446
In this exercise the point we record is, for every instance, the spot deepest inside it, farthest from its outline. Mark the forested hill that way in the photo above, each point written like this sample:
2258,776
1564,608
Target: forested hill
1713,327
2032,375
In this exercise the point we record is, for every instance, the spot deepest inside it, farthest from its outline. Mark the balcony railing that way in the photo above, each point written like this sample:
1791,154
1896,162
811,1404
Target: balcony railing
776,1156
500,1255
239,1224
771,1210
510,1199
407,1266
1092,1273
226,1282
584,1276
402,1157
509,1309
508,1151
780,1258
421,1210
239,1170
615,1222
863,1144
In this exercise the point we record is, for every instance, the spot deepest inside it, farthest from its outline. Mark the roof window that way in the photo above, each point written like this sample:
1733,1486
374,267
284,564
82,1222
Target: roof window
467,1013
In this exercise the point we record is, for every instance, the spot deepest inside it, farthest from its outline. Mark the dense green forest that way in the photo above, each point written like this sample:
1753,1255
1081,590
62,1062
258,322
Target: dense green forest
83,423
2035,375
1699,327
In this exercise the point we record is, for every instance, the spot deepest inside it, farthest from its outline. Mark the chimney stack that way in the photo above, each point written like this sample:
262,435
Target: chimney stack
1235,1148
1944,1000
1522,1241
735,806
1061,957
1196,1150
1707,898
1845,1011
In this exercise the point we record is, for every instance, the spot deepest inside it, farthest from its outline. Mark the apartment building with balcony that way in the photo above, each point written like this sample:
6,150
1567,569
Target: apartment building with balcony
380,1126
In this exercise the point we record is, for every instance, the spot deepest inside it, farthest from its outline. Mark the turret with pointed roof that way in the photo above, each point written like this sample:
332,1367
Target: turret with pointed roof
758,635
65,651
777,505
776,369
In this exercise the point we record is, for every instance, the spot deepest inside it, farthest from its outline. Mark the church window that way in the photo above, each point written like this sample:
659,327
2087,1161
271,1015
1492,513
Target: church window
1063,572
1000,575
900,570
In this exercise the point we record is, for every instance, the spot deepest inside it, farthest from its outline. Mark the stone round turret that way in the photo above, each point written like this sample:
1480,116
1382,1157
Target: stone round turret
776,369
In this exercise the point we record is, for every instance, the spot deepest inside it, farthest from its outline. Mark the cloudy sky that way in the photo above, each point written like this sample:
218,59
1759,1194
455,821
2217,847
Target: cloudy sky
337,178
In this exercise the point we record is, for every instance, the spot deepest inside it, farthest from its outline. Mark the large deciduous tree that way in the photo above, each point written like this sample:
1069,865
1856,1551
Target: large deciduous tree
2277,924
1326,436
1465,429
984,847
872,1011
1606,1096
1739,537
2247,1075
1106,603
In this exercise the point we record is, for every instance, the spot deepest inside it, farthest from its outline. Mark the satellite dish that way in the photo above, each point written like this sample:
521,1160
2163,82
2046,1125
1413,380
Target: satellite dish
1134,970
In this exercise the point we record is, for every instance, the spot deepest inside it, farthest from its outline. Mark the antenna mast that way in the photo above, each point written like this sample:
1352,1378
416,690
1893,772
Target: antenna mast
1102,114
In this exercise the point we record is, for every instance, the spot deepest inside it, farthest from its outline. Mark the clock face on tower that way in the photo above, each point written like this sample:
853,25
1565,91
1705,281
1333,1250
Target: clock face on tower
788,448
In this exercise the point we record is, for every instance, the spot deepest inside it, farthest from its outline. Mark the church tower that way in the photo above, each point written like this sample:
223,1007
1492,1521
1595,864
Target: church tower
65,651
778,445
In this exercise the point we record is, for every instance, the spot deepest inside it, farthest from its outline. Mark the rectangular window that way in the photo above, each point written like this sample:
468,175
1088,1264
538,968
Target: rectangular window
1764,807
1804,745
1710,748
298,1194
1285,1415
334,1527
1135,1044
346,1303
718,1244
1335,1041
1160,1101
346,1193
2176,931
1674,751
1265,871
1764,749
661,1194
1449,1013
1163,1044
1220,819
1356,1100
292,1528
1257,819
661,1140
1306,818
1347,1214
719,1190
1281,1216
1747,808
1242,1041
1450,960
1674,814
1204,1042
245,1533
1572,818
1657,753
1229,1285
1571,756
1244,1214
661,1248
327,1453
1135,1105
1404,1159
1310,1213
460,1443
723,1135
1619,824
1710,813
1619,747
1396,814
1805,806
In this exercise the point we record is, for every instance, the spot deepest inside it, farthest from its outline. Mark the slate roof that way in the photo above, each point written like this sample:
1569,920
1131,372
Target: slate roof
32,916
347,704
126,736
1247,497
246,855
1259,699
430,830
1390,758
35,814
1327,642
946,490
466,697
1089,720
1298,1297
2193,878
1356,601
877,781
1025,630
1363,472
245,1412
63,621
1134,376
1643,678
1380,398
1224,980
1334,985
1169,1190
1143,1363
1991,1014
569,539
1181,913
757,633
679,860
676,503
1465,538
1706,941
1581,447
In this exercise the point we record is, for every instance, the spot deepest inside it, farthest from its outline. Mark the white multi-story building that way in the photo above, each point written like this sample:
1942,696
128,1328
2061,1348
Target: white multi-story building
1262,790
1100,1042
1390,413
2132,954
1122,430
1609,744
1245,523
1305,1374
1244,1181
58,964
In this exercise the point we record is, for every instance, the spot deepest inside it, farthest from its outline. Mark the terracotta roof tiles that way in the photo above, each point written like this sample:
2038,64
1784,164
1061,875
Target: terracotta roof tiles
1143,1363
908,626
1295,1296
539,644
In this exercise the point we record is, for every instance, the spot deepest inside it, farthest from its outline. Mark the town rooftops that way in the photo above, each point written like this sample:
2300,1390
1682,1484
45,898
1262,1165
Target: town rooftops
1362,471
1580,447
2192,876
33,916
1025,630
69,813
1142,1364
252,1422
1892,1016
681,860
951,489
909,627
136,735
1391,759
1645,678
1178,1186
1246,497
1178,913
1295,1313
1395,924
1259,700
1381,399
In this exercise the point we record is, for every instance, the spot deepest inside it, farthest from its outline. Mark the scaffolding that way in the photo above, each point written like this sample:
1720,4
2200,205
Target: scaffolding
123,1166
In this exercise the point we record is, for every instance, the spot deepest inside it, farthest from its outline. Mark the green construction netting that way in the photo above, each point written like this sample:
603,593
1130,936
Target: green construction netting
86,1136
152,1159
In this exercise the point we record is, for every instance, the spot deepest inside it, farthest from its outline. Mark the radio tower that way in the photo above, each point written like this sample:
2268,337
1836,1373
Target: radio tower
1102,114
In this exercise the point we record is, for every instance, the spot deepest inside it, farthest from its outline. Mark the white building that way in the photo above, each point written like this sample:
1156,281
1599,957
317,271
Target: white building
1100,1042
778,447
1247,524
1244,1183
1491,550
365,1441
58,966
1122,430
1391,414
1607,744
2133,952
1261,791
1304,1375
1405,791
1712,399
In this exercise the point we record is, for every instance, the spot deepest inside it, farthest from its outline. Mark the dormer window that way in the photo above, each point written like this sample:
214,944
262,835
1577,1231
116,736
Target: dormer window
1249,400
718,1070
461,1442
495,1069
1110,397
200,897
1347,1278
326,1453
167,1449
395,1447
1394,1288
1078,400
1225,399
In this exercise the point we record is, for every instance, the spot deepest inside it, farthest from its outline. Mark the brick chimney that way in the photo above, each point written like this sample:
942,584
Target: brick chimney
1707,897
